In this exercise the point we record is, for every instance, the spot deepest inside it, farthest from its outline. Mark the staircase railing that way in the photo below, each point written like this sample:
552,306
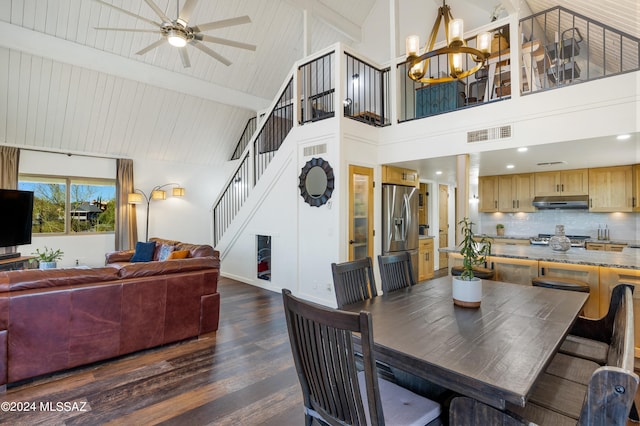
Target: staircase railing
570,48
245,138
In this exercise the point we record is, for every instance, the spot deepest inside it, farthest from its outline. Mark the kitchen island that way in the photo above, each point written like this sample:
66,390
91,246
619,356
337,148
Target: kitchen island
601,270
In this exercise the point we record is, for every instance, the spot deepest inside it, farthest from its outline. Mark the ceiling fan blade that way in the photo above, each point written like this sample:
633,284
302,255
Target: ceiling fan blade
226,42
151,46
187,10
158,11
210,52
136,30
222,24
126,12
185,57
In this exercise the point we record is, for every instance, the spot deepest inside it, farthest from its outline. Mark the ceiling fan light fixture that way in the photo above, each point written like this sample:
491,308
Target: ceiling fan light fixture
177,38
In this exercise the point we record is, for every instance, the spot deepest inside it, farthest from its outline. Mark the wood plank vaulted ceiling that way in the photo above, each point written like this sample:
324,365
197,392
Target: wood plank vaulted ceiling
65,86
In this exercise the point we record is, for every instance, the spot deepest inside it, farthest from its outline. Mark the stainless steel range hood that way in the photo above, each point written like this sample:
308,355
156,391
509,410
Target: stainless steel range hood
562,202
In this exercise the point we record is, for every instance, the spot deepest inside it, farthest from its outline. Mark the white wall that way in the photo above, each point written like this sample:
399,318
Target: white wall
184,219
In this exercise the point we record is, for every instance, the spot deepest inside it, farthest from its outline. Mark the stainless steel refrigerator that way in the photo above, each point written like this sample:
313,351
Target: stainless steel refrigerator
400,222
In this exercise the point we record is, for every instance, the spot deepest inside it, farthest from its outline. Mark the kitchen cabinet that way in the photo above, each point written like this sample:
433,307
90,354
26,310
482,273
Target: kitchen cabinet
564,182
585,273
605,246
517,271
488,193
636,188
515,193
425,262
423,205
400,176
609,278
610,189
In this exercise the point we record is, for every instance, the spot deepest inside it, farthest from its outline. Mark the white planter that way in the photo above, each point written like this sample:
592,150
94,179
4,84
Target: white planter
467,294
47,265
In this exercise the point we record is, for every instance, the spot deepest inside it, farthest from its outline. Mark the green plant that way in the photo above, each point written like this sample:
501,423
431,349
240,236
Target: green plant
47,255
499,226
473,253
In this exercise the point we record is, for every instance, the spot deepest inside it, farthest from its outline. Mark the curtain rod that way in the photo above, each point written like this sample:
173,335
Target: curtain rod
68,154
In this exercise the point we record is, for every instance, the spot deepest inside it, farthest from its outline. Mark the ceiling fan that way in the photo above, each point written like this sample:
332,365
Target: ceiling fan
179,34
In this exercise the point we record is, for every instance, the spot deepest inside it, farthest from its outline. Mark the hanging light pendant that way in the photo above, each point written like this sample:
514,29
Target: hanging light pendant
456,50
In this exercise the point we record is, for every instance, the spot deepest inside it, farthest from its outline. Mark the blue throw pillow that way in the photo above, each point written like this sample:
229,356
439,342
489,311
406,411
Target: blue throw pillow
144,251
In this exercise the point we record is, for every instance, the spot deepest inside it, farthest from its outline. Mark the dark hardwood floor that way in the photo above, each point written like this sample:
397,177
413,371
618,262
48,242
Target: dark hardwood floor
243,374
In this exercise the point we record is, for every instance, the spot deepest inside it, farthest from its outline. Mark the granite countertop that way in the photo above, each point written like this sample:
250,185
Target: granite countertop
629,258
424,237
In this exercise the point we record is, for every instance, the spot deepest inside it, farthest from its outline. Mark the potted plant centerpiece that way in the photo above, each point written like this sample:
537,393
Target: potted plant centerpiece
500,230
467,288
47,259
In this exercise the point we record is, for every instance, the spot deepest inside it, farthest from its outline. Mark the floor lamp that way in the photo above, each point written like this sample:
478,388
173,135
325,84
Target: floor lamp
157,193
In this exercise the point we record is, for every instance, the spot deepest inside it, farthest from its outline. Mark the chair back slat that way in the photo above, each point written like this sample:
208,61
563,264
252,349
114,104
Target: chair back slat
353,281
322,347
396,271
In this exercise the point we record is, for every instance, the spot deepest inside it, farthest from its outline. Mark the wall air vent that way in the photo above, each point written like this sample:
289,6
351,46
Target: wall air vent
551,163
494,133
315,149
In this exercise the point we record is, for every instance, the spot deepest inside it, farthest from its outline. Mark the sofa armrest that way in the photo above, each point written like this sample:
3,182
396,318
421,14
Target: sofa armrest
118,256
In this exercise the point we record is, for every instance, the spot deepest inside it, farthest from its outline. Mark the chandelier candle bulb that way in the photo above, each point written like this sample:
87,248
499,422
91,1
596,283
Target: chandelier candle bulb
412,45
483,42
456,30
456,63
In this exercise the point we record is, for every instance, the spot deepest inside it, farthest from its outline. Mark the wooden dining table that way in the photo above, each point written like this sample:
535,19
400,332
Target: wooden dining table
494,353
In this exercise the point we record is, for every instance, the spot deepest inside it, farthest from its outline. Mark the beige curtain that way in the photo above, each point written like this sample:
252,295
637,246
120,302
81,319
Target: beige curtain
9,159
126,224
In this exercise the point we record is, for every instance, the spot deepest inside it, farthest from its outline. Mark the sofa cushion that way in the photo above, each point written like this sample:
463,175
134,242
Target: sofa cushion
144,251
42,278
197,250
178,254
163,251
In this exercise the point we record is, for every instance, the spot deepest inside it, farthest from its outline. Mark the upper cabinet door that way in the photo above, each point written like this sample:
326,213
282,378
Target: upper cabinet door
565,182
611,189
488,193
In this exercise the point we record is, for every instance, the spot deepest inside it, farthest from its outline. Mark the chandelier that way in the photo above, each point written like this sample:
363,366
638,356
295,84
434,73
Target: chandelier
455,49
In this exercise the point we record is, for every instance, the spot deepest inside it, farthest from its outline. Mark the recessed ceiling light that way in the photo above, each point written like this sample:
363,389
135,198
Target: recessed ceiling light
523,149
510,166
439,172
623,137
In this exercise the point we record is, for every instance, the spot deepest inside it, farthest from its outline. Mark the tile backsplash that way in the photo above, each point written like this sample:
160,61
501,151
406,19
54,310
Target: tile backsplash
622,226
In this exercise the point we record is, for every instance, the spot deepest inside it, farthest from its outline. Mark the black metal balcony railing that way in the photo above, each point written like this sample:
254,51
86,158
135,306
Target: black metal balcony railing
317,88
232,199
567,48
367,92
247,134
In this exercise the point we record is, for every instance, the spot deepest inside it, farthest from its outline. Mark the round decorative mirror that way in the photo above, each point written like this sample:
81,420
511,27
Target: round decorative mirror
316,182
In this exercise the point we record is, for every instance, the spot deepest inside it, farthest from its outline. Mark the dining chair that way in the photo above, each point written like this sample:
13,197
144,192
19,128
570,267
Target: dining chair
333,390
465,411
396,271
353,281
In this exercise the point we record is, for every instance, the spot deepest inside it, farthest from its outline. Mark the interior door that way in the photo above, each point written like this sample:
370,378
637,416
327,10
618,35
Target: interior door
443,223
360,212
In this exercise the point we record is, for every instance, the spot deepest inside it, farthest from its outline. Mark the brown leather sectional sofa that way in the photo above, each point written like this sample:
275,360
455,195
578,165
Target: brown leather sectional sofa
52,320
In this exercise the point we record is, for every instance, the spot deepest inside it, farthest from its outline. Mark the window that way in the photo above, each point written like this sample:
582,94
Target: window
71,205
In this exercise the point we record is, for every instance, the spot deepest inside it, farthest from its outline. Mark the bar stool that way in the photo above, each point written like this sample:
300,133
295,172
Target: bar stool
478,271
561,284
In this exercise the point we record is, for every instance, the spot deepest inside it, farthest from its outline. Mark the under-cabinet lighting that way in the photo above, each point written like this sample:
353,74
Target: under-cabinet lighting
523,149
623,137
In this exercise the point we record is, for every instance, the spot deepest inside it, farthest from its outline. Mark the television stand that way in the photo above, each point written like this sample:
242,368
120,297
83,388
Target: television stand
5,256
21,262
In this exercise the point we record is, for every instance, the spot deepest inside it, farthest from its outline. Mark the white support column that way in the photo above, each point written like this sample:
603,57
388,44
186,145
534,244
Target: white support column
462,196
307,22
393,70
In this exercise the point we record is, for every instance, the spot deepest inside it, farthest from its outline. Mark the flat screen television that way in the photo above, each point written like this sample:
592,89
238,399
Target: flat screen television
16,214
